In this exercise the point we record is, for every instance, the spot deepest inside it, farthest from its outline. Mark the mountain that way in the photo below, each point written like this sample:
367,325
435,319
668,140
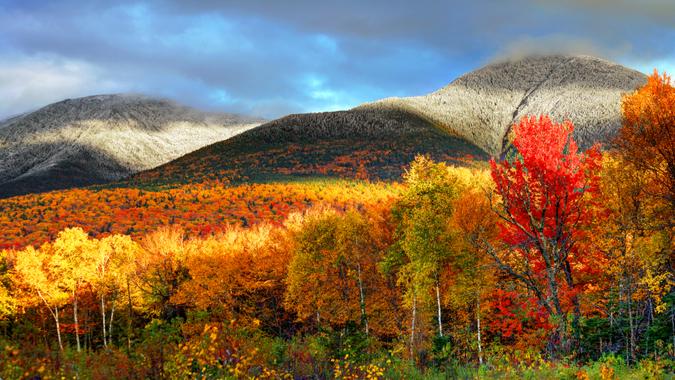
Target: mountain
468,119
482,105
103,138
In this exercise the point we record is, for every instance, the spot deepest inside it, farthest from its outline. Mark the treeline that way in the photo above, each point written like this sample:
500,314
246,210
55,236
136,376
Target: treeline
546,260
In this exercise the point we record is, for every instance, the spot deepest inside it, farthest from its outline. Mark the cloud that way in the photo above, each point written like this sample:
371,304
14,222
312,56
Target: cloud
556,44
655,12
256,57
28,82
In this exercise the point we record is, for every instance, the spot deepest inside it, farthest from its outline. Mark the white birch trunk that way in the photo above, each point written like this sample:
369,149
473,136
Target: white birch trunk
77,324
438,304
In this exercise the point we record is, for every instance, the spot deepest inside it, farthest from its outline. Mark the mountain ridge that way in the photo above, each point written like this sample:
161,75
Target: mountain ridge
471,116
103,138
493,97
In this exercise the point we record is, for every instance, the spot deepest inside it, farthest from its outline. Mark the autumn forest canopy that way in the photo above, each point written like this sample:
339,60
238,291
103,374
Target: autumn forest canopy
550,261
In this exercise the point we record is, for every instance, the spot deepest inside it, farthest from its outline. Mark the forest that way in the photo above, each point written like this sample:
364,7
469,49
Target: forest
549,262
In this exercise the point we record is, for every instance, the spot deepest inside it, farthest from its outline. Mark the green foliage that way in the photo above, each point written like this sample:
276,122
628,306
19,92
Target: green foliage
349,341
441,351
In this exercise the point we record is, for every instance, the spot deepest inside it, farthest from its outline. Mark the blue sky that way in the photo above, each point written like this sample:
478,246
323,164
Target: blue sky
271,58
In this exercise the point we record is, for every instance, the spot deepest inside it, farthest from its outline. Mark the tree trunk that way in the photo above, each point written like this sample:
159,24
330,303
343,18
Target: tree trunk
438,305
480,346
55,315
554,298
105,342
575,302
77,324
364,317
110,324
631,327
58,327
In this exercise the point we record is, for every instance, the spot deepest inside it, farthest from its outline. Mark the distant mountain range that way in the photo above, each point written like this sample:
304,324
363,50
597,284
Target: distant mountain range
106,138
103,138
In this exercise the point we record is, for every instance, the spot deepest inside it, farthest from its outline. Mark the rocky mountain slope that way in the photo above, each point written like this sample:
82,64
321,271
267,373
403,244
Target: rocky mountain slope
482,105
102,138
471,117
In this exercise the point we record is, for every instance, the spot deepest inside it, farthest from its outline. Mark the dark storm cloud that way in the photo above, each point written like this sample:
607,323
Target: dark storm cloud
275,57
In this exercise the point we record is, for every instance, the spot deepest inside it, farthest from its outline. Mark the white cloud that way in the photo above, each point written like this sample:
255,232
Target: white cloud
27,81
556,44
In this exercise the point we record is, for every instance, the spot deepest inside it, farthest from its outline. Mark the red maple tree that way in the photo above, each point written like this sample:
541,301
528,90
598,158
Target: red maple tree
544,207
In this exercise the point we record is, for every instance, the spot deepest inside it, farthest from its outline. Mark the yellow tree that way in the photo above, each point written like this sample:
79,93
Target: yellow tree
7,299
472,220
333,274
635,242
160,269
238,275
423,247
74,247
45,277
312,287
357,249
113,264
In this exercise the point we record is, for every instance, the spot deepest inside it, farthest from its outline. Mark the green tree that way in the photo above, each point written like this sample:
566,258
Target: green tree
423,237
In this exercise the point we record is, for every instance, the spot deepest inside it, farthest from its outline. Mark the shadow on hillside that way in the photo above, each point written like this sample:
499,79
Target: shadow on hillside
77,170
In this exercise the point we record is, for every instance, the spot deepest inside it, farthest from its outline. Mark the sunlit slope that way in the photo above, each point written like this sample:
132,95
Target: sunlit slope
102,138
482,105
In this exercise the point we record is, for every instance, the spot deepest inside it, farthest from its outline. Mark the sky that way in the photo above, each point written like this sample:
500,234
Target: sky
272,58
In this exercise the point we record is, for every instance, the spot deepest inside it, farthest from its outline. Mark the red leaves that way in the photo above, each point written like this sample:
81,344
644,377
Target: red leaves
545,185
506,322
514,314
546,205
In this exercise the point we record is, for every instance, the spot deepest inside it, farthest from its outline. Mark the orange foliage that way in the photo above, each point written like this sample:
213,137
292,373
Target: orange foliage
647,138
201,209
238,275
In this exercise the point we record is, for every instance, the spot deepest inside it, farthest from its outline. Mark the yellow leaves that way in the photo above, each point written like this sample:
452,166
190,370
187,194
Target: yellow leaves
636,242
471,179
7,302
334,252
656,286
165,242
346,370
52,273
41,276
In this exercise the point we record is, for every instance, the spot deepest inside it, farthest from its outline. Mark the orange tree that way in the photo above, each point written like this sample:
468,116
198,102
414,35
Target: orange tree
544,207
647,138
